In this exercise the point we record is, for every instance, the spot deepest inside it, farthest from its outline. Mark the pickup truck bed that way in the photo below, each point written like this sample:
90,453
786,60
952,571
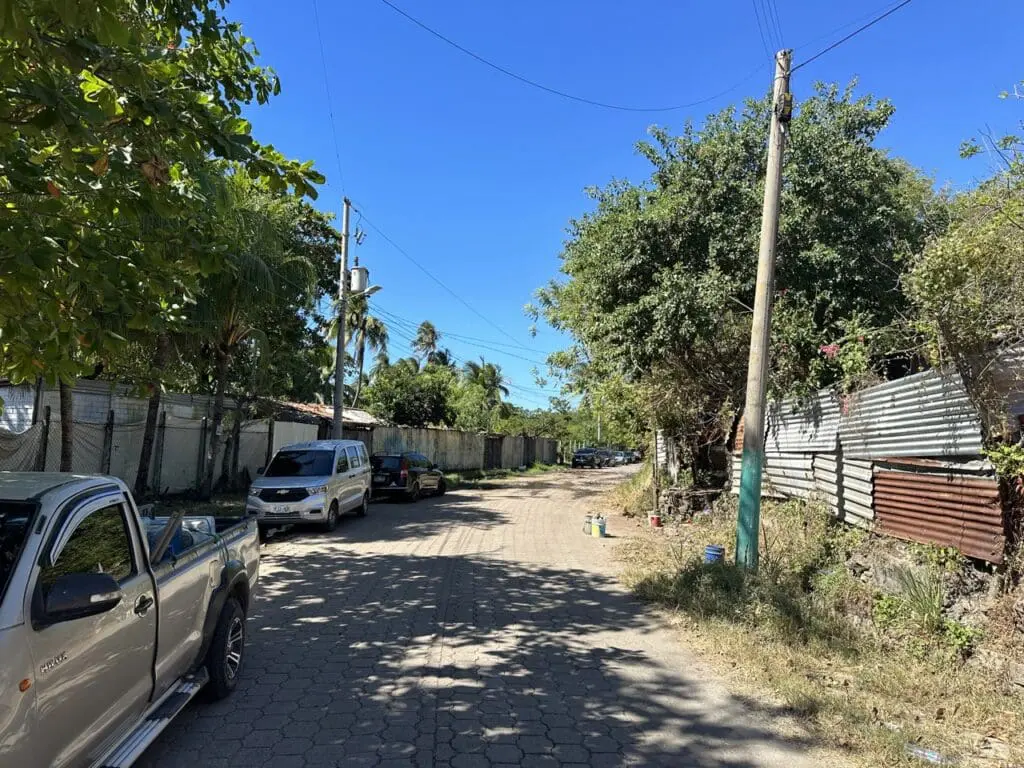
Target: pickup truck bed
111,622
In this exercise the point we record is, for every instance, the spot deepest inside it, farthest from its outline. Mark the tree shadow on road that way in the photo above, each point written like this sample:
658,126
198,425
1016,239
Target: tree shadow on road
355,659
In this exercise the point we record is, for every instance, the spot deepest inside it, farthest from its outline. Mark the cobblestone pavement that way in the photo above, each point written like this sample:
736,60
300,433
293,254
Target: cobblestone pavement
477,629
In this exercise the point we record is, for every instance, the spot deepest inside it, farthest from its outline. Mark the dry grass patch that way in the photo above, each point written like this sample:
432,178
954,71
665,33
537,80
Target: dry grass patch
868,672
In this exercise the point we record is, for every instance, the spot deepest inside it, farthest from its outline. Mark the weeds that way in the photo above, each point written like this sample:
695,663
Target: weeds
922,594
635,497
869,672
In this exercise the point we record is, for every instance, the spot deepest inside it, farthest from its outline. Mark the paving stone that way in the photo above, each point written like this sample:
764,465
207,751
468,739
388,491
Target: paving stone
504,753
480,629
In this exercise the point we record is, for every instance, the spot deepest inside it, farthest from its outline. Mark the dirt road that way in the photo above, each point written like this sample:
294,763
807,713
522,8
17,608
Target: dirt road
478,629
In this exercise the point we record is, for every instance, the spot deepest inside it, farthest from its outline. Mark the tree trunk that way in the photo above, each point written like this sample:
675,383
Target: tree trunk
66,426
160,357
360,358
223,358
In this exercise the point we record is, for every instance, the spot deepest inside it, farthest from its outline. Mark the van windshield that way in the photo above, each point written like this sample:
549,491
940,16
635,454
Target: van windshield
15,523
301,464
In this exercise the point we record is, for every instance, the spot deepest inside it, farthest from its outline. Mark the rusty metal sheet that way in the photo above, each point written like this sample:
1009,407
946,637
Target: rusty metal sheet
942,508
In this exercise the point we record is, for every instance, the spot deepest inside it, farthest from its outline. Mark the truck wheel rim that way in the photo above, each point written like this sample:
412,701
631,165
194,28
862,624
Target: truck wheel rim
233,656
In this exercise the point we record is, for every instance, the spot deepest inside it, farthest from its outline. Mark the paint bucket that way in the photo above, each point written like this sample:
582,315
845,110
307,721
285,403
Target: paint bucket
655,521
597,527
713,553
587,524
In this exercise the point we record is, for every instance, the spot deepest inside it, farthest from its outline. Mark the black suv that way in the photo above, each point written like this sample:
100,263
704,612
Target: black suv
586,457
408,473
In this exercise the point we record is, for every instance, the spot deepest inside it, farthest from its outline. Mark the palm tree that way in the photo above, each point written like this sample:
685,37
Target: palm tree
443,358
490,378
425,343
381,362
367,330
230,301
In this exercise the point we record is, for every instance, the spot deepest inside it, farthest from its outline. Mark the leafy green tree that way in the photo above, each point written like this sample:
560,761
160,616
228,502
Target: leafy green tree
112,111
967,287
660,277
402,394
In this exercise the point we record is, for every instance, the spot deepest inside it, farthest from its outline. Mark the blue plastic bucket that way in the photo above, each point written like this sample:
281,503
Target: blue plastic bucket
713,553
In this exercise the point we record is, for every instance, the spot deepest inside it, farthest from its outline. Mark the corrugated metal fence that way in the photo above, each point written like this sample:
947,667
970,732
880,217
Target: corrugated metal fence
903,457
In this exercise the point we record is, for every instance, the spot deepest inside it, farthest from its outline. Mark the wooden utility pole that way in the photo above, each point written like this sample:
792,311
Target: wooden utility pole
339,361
749,521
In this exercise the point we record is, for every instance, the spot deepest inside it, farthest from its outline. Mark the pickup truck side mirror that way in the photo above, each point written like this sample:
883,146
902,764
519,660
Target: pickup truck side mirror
260,470
77,595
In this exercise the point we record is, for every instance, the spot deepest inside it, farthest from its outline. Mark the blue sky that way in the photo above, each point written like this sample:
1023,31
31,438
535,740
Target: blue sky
475,175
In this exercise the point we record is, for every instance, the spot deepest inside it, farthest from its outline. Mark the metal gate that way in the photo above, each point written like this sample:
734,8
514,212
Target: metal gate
492,453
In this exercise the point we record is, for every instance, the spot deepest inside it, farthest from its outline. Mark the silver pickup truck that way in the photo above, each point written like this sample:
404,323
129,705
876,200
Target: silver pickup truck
110,621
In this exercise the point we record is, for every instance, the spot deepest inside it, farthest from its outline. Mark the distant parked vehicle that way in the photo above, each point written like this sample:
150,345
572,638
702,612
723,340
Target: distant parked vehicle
314,482
619,458
637,457
408,473
604,456
586,457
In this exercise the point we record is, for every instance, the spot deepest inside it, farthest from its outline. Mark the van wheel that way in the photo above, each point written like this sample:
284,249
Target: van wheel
442,487
332,518
227,651
364,507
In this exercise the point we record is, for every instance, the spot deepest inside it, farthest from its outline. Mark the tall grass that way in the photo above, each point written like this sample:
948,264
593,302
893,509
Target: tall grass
843,657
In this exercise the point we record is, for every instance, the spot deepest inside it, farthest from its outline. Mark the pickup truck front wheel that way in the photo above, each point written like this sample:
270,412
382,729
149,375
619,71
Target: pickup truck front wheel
224,659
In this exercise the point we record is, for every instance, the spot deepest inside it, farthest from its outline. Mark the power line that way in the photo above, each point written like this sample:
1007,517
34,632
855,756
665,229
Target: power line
411,327
405,330
853,34
555,91
469,340
760,28
330,103
772,11
437,280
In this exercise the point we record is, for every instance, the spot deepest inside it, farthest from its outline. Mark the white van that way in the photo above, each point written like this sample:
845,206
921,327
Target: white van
313,482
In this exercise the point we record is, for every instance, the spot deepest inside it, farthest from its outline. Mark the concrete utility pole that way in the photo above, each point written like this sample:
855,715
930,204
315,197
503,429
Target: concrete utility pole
339,361
749,521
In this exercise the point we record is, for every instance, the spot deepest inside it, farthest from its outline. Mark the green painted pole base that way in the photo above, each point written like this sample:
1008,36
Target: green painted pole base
749,522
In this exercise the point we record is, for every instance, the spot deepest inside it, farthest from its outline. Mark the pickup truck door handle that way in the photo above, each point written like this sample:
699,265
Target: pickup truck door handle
143,604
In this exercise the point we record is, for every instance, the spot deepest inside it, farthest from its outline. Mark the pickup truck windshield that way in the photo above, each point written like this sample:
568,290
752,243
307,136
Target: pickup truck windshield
15,523
301,464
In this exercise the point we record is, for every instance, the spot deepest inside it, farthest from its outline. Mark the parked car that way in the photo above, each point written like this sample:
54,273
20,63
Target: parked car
111,622
604,456
586,457
619,459
313,482
407,473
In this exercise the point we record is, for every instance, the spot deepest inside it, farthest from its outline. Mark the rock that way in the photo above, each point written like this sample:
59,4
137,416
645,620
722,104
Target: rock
1018,615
